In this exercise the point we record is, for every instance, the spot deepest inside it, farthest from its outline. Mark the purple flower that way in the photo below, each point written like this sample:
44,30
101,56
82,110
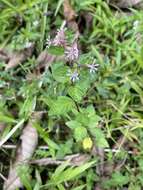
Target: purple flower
93,67
74,76
60,39
72,52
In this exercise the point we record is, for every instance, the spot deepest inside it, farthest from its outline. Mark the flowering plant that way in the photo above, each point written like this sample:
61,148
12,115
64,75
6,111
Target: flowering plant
71,54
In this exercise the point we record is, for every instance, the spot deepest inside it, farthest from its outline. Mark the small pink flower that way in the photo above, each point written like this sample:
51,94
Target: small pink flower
72,53
60,39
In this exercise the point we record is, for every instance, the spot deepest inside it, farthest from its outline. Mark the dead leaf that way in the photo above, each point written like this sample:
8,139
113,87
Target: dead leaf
97,187
85,21
45,59
80,159
15,58
2,127
29,141
70,16
108,168
120,164
125,3
69,13
121,141
99,152
3,55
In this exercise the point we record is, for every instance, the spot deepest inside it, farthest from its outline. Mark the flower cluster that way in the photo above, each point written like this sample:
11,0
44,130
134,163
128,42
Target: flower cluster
71,53
60,38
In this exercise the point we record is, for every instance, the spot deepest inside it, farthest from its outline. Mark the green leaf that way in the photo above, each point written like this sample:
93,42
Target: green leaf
80,133
55,50
60,169
93,120
61,106
64,149
79,187
23,173
76,93
10,5
117,179
61,187
59,73
6,119
82,117
100,137
28,107
73,172
38,180
45,137
140,162
73,124
60,2
69,173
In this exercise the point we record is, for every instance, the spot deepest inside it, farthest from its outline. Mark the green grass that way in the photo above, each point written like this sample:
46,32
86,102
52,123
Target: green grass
102,107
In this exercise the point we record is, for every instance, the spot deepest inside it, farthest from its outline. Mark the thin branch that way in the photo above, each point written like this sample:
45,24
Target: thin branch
44,147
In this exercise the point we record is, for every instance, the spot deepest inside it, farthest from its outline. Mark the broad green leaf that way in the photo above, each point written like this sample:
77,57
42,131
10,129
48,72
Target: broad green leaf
55,50
73,124
80,133
93,120
76,93
61,106
59,73
82,117
100,137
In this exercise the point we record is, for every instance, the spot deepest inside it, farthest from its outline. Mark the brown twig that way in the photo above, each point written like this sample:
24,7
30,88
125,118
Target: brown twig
74,160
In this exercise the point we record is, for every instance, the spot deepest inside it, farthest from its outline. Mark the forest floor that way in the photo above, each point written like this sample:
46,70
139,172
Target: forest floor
71,95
